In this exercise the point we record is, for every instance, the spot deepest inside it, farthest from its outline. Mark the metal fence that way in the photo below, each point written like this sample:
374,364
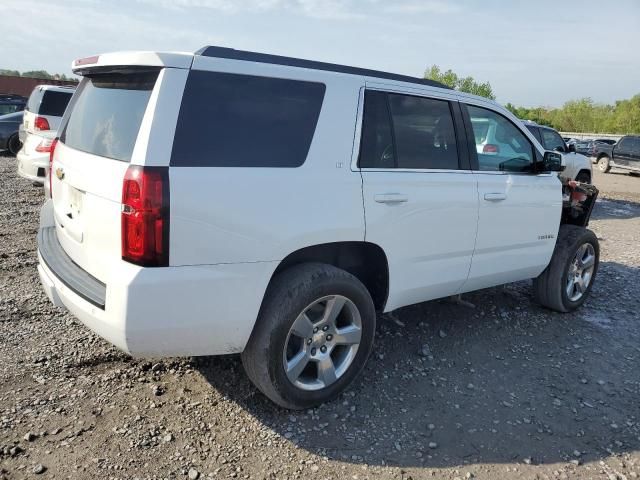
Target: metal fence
591,136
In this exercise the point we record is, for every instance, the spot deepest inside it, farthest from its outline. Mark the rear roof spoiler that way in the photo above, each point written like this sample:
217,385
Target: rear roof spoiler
132,59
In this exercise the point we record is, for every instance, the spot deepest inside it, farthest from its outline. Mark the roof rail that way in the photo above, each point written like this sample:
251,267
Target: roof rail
233,54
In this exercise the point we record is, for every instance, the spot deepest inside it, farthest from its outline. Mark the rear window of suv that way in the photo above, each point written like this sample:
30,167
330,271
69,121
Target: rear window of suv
107,112
230,120
48,102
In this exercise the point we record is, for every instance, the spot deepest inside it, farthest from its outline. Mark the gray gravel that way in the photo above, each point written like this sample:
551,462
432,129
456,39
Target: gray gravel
490,389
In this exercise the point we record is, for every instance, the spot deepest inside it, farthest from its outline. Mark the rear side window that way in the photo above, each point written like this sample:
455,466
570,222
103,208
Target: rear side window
230,120
48,102
54,103
107,112
406,131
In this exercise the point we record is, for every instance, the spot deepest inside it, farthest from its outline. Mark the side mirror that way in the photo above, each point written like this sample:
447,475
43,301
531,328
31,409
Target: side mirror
572,148
551,162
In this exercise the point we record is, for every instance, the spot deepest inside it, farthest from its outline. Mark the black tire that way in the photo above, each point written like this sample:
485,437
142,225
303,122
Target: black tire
604,165
550,288
14,144
583,176
288,295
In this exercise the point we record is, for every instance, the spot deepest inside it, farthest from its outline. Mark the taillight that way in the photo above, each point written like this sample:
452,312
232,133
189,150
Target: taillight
145,216
52,149
45,146
490,148
41,123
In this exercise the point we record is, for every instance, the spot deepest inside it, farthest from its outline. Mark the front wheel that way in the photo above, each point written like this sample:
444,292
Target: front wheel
567,281
313,335
603,165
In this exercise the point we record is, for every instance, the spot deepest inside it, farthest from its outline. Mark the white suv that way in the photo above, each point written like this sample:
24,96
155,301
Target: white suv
235,202
42,117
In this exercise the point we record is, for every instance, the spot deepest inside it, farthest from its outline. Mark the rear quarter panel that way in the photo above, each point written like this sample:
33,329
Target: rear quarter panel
232,215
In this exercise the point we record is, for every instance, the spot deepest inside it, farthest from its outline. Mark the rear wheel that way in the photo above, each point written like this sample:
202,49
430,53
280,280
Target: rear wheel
14,144
567,281
604,165
313,336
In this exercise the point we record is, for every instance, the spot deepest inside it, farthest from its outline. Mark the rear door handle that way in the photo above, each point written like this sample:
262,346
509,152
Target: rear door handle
495,197
391,198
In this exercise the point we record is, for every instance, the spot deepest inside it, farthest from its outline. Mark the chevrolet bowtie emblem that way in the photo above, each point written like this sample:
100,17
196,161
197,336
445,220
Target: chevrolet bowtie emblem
60,173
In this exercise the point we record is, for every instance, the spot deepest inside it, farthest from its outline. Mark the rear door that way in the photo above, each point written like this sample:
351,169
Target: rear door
107,127
519,211
420,197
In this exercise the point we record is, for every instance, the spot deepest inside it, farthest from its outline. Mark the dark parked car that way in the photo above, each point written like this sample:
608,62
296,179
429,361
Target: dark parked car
584,147
625,154
9,125
608,141
10,103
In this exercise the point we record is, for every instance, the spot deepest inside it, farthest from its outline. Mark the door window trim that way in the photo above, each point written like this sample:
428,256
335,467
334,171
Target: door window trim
464,160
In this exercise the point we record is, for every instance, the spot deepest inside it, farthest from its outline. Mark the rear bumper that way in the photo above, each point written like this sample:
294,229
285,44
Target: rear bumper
168,311
32,167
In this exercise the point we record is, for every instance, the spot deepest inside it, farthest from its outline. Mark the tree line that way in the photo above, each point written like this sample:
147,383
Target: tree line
580,116
43,74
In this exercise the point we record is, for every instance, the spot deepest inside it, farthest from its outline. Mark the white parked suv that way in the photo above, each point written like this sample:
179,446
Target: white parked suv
577,166
236,202
42,117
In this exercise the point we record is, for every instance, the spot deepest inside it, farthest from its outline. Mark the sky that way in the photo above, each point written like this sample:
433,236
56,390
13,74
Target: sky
534,53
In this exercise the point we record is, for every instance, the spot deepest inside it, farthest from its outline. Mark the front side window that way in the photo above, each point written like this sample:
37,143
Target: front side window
405,131
231,120
624,144
552,140
500,145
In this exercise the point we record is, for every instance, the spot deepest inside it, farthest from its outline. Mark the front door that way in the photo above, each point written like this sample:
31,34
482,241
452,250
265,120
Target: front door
421,205
519,211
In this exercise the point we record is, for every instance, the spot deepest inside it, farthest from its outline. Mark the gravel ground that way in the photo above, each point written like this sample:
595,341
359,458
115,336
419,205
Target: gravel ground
500,389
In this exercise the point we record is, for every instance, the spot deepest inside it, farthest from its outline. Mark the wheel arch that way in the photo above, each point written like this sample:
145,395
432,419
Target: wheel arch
364,260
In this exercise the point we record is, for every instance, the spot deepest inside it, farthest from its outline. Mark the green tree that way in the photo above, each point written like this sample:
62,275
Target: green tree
12,73
38,74
464,84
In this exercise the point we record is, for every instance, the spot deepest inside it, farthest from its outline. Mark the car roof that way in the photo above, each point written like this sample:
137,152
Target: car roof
57,88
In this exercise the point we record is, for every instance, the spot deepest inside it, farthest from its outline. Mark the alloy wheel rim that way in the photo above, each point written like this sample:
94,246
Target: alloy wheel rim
322,342
580,272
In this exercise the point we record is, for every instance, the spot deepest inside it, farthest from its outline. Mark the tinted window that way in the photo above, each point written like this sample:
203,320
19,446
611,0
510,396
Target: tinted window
500,145
405,131
229,120
625,144
424,132
376,146
535,131
551,139
107,112
54,103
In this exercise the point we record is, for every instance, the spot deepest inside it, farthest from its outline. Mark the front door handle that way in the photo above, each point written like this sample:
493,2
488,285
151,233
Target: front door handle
495,197
391,198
